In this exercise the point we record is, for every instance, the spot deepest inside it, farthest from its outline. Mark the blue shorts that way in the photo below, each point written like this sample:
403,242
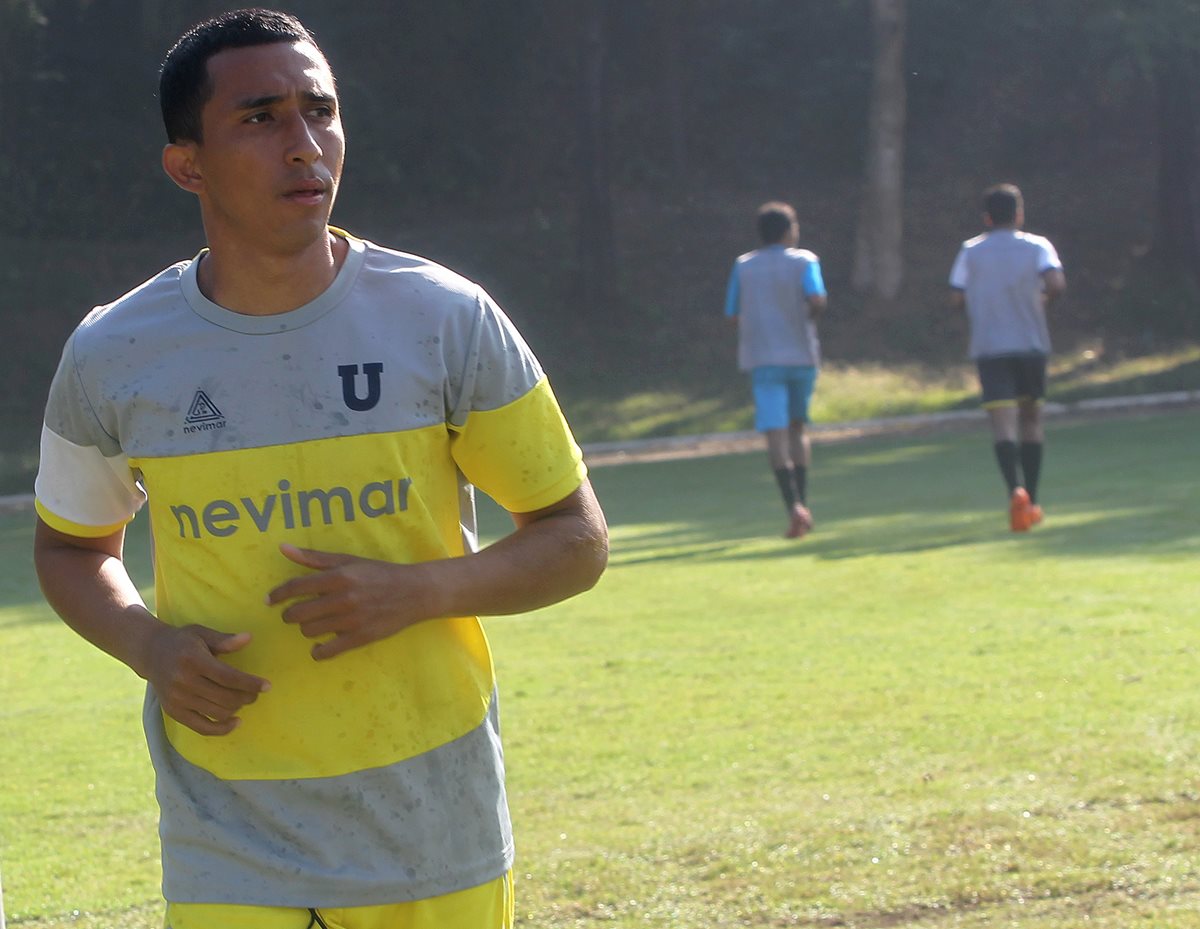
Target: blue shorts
782,394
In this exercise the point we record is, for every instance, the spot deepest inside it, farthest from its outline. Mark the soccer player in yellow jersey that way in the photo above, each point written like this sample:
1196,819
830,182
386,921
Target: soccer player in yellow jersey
305,415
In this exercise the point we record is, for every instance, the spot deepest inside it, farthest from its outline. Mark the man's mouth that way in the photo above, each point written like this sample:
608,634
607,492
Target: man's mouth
307,192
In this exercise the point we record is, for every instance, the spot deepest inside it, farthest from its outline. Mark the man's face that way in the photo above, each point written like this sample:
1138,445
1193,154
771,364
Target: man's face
271,158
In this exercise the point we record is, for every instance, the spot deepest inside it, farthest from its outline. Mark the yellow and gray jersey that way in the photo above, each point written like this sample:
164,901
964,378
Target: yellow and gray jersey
359,423
1000,274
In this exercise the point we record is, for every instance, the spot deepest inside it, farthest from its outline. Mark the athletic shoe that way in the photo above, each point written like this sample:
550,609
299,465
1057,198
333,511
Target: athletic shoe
1035,515
1020,511
801,522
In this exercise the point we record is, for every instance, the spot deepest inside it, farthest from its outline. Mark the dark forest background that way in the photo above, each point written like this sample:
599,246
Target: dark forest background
596,164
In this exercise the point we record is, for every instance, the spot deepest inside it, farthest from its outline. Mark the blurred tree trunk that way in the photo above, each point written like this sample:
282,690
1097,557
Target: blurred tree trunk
878,266
1177,221
596,237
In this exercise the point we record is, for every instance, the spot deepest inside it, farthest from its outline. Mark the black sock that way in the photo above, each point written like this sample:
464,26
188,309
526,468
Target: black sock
783,477
1031,466
1006,455
800,477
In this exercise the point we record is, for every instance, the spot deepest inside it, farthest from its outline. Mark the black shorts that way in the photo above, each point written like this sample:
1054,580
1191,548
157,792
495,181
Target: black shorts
1009,379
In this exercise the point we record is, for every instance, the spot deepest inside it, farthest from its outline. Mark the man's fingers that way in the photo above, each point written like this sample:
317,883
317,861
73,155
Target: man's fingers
230,678
217,706
335,646
219,643
309,585
193,655
312,558
228,644
200,723
303,612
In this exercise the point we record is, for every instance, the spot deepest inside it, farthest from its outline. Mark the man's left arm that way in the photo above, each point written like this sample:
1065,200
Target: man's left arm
554,553
1054,284
814,289
957,299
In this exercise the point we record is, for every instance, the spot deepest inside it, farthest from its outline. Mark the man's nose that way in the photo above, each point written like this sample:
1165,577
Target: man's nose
303,146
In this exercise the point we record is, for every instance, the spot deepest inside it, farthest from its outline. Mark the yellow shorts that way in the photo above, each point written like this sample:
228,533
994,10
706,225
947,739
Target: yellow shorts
488,906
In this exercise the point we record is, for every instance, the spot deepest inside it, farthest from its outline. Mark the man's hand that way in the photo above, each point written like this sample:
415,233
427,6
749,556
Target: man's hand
554,552
355,600
193,685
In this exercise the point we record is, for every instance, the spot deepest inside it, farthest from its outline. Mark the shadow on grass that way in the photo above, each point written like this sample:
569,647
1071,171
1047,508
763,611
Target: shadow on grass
1109,487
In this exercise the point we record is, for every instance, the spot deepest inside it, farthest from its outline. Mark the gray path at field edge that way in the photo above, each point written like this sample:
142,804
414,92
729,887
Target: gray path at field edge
599,454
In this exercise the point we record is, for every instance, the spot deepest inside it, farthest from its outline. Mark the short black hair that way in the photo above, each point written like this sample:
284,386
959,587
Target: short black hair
775,219
183,84
1001,204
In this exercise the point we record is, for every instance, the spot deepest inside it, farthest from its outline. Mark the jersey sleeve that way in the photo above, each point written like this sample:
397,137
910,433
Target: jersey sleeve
732,293
958,272
814,284
511,439
1048,257
84,486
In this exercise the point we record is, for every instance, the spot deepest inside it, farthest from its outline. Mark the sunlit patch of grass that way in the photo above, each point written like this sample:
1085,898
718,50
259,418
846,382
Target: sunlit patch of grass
848,392
1088,373
870,391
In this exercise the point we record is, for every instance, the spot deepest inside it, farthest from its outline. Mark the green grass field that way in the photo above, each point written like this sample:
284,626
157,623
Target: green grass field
911,718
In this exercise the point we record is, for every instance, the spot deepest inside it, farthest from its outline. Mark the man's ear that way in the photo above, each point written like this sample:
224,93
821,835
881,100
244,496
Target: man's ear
180,163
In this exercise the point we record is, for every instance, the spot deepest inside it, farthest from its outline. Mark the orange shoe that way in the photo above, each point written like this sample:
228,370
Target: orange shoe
1020,511
801,522
1035,515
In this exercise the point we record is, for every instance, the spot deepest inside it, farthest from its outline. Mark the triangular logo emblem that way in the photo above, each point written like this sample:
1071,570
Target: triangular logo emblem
203,410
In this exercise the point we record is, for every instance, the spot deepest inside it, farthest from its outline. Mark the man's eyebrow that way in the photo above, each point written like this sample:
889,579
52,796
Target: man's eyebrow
254,103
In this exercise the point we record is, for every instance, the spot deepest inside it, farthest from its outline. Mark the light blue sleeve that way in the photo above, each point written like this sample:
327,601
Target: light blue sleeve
732,294
814,285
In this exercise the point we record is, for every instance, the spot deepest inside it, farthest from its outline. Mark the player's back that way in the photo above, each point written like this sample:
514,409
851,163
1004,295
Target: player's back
1000,273
776,327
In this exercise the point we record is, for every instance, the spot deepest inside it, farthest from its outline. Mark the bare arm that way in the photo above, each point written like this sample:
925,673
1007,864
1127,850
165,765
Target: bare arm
957,299
553,554
1055,283
86,582
817,304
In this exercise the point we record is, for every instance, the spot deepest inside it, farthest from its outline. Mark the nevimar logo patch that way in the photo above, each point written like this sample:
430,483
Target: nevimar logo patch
203,415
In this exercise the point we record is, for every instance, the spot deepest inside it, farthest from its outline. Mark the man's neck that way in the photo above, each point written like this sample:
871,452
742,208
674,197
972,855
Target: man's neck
260,284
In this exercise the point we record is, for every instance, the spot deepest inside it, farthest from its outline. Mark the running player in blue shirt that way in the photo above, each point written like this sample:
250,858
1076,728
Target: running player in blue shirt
776,294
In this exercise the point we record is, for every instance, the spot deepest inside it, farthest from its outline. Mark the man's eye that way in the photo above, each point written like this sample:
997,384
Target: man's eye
323,112
258,117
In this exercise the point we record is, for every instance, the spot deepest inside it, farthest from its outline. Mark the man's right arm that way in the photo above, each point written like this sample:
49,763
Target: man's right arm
85,581
1054,283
